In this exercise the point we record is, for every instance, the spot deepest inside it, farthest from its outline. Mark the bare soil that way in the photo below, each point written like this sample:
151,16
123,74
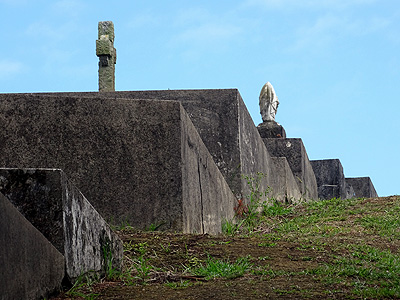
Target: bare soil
280,266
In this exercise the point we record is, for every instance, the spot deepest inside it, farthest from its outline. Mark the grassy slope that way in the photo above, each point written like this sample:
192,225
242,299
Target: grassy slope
334,249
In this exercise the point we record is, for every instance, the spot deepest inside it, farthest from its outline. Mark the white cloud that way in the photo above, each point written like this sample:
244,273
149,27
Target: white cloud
71,8
329,29
284,4
52,33
10,68
199,30
208,33
144,20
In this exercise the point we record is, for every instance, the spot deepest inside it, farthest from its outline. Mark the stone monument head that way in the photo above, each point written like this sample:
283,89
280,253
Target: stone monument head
268,103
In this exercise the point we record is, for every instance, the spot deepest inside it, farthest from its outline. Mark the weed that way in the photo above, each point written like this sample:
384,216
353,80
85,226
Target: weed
110,271
166,248
276,209
247,215
231,227
264,258
178,285
222,268
82,287
155,226
143,268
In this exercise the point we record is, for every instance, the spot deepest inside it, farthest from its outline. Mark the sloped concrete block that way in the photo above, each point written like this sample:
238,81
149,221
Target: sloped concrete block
297,158
330,178
138,161
30,266
52,204
226,128
362,187
288,189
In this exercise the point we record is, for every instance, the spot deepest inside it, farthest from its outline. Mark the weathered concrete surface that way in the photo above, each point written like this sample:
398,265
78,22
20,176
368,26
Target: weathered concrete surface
107,56
49,201
207,198
226,128
297,158
288,189
362,186
127,156
330,178
271,130
30,266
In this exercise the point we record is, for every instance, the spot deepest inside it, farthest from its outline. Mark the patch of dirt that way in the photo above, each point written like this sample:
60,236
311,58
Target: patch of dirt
282,265
280,256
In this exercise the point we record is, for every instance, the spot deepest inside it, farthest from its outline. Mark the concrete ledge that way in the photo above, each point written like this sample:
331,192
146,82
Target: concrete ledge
297,158
330,178
30,266
362,187
49,201
138,161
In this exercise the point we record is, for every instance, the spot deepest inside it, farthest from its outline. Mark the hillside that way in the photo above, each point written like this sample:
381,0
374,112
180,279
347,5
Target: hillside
330,249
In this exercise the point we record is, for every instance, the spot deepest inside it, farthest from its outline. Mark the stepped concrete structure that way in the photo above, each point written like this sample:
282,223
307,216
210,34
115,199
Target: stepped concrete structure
138,161
56,208
333,184
295,153
330,178
178,160
226,128
362,187
30,266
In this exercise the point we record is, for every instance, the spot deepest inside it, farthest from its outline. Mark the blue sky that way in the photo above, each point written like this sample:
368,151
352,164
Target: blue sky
334,64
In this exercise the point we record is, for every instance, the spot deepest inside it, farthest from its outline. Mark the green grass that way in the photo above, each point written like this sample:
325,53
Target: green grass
344,249
370,271
332,226
213,268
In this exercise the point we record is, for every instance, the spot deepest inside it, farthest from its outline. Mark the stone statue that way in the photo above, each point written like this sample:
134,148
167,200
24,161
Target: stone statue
268,103
107,56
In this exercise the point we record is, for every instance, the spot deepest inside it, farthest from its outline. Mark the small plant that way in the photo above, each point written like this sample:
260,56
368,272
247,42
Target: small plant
110,271
166,248
241,209
276,209
155,226
231,227
82,287
178,285
222,268
143,268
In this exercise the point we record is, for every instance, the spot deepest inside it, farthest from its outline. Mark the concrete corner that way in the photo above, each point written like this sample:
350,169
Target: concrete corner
330,178
362,186
53,205
288,188
140,162
30,266
297,158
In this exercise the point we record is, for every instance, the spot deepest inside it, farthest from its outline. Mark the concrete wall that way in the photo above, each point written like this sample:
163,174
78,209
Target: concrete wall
330,178
226,128
297,158
30,266
126,156
362,186
207,198
288,190
53,205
